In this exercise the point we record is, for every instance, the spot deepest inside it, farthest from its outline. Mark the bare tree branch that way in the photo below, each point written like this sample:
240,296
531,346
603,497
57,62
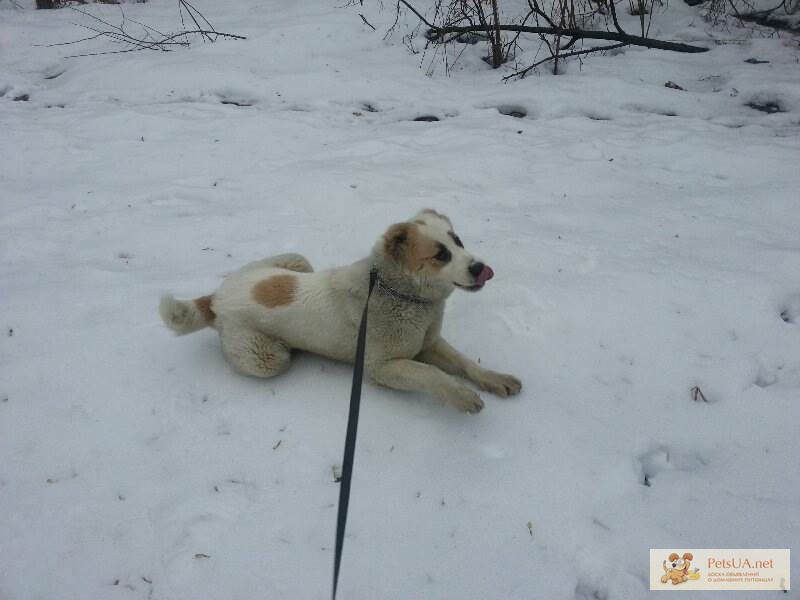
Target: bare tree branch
562,25
631,40
556,56
151,38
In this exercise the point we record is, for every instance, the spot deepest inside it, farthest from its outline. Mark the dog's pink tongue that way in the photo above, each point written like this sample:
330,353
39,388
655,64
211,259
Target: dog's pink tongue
484,275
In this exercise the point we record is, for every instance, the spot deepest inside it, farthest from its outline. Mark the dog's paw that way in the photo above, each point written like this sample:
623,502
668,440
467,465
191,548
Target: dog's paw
499,384
465,400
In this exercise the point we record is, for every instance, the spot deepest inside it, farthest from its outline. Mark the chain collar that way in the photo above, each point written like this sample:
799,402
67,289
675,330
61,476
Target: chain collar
398,294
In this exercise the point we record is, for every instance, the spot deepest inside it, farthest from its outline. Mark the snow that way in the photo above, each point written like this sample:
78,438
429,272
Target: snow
644,240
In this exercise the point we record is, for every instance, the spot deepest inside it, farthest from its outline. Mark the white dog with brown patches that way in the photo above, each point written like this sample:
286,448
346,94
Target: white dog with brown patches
273,306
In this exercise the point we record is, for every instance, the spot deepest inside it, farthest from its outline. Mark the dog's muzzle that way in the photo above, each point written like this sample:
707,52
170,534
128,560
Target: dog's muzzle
481,272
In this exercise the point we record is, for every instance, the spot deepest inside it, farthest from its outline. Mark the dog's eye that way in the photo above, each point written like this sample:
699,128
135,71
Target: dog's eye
443,255
680,562
456,239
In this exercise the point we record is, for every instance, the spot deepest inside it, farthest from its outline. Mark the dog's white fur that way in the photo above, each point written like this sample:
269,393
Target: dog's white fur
320,312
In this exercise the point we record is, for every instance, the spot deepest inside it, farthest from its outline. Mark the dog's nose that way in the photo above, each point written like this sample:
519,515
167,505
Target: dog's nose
476,268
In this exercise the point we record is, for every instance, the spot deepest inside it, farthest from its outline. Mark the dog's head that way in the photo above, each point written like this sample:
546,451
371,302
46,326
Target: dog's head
427,249
680,563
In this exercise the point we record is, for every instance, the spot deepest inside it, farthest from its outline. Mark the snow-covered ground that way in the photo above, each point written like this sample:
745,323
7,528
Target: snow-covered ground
645,239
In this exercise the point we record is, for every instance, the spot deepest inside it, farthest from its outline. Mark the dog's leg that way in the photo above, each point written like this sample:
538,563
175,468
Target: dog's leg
291,261
414,376
254,353
450,360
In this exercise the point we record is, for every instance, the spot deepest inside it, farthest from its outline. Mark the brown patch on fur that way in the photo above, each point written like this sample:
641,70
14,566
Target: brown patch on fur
404,243
275,291
395,240
419,222
203,304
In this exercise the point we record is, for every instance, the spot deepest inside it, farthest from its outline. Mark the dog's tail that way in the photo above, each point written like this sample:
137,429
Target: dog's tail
187,316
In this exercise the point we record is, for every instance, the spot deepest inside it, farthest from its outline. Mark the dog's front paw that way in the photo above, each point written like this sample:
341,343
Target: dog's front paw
499,384
465,400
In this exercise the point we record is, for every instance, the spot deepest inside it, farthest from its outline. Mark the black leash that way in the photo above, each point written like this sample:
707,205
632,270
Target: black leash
350,439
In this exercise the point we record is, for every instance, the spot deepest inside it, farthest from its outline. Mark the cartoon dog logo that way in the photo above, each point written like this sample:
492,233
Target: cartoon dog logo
676,569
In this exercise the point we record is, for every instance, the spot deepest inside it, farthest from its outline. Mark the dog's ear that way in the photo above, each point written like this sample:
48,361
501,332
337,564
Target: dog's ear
688,556
397,239
437,214
673,557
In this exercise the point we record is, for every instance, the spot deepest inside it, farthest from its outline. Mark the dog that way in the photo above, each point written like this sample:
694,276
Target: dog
678,571
273,306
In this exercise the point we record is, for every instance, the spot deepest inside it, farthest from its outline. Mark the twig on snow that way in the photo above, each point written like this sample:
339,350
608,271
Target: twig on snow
151,39
697,395
363,18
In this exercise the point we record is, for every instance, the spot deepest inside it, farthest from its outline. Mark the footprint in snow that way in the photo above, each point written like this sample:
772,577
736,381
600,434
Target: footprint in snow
236,102
769,106
765,378
54,73
660,459
651,110
790,310
586,590
595,116
513,110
